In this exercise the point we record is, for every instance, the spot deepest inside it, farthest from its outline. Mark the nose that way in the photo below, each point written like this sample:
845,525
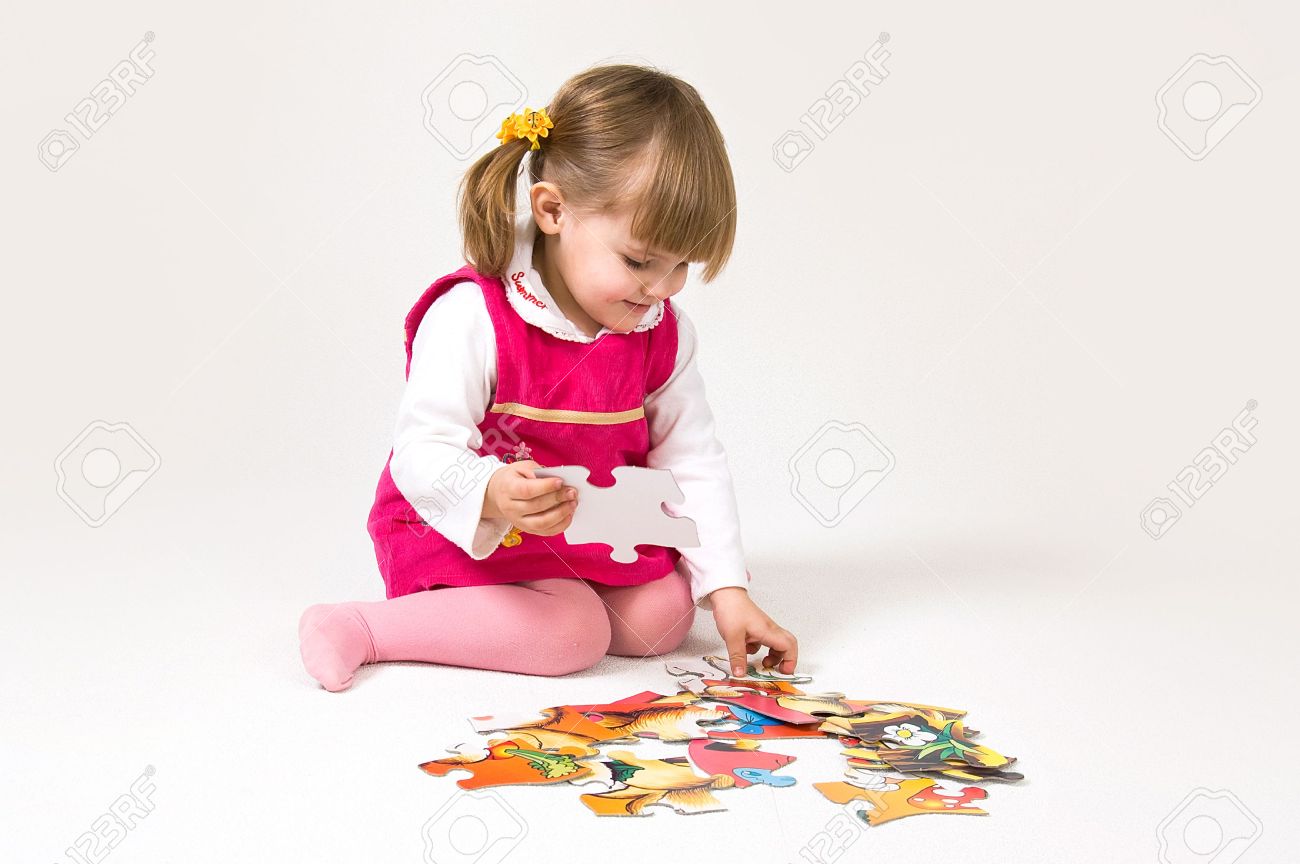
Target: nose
655,291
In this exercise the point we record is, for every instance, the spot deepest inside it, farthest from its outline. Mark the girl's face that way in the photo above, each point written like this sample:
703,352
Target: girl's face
612,280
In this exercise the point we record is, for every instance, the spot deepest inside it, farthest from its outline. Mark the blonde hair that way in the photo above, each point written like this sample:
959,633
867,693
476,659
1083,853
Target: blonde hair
623,135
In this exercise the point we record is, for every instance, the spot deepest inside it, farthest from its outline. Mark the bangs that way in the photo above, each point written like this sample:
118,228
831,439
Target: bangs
684,205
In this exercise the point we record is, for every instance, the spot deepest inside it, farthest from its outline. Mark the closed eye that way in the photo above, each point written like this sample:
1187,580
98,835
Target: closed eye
639,265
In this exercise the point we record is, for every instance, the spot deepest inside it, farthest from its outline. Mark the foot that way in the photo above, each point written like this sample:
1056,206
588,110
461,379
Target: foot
335,641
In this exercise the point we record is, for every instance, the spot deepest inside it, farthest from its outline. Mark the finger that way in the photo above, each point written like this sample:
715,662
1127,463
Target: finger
548,522
525,488
790,655
736,652
783,651
520,470
546,500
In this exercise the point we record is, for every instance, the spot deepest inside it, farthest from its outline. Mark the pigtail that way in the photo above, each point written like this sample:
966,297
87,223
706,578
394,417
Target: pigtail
486,205
622,136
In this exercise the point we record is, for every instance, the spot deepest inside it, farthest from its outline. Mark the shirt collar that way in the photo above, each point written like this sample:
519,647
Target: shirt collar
530,299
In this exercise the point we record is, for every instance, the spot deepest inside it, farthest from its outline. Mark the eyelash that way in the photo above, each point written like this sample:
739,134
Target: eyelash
638,265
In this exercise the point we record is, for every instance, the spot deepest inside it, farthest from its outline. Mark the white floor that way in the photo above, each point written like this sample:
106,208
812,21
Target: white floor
1106,671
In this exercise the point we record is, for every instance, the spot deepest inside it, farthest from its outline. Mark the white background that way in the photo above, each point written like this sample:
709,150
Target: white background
997,262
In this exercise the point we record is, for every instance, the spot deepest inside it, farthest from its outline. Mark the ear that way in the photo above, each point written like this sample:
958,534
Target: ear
548,206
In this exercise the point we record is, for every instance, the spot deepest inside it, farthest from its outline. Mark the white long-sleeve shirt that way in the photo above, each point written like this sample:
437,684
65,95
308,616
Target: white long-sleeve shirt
452,383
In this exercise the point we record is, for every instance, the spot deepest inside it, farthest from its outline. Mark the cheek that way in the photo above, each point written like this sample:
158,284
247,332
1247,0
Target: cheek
675,282
614,282
596,276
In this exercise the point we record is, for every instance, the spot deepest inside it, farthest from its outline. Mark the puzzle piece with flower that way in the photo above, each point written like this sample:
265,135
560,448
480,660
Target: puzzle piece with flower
896,753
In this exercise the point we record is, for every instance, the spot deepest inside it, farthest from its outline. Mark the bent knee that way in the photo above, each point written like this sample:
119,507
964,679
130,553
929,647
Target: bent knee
575,639
651,635
655,619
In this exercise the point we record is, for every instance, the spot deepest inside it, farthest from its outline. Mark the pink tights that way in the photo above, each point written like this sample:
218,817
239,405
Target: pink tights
540,627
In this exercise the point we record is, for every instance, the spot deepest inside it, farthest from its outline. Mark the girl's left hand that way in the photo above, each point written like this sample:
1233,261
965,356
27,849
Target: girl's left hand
745,628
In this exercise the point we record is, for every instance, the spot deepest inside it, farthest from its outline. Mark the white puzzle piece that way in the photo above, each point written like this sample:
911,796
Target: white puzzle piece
627,513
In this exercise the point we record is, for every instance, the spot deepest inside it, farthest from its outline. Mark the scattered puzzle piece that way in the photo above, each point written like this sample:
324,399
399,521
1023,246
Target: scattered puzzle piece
926,740
760,703
755,725
511,761
901,797
896,760
591,724
783,700
559,726
755,672
656,781
883,707
741,759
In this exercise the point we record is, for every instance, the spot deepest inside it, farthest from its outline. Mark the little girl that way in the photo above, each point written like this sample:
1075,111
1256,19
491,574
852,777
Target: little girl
558,345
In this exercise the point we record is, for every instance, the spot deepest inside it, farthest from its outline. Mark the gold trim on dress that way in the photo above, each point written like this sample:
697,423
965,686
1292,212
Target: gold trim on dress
562,415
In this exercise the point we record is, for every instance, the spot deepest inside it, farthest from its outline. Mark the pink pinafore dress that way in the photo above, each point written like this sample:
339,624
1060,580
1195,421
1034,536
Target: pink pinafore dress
557,402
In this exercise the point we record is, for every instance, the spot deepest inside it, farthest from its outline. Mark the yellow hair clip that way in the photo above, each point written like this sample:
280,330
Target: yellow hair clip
530,124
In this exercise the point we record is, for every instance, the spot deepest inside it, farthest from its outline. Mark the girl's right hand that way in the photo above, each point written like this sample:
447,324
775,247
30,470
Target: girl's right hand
538,505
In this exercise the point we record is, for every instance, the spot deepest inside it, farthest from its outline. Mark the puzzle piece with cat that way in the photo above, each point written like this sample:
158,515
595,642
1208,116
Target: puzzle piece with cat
628,513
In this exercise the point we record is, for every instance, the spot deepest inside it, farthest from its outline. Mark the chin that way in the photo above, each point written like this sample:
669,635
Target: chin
620,323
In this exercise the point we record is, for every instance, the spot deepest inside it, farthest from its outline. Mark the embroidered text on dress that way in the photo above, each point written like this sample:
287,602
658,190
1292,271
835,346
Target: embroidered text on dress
523,290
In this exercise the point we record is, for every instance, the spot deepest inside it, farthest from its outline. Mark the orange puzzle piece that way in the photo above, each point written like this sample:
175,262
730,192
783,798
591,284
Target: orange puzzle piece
898,798
512,761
